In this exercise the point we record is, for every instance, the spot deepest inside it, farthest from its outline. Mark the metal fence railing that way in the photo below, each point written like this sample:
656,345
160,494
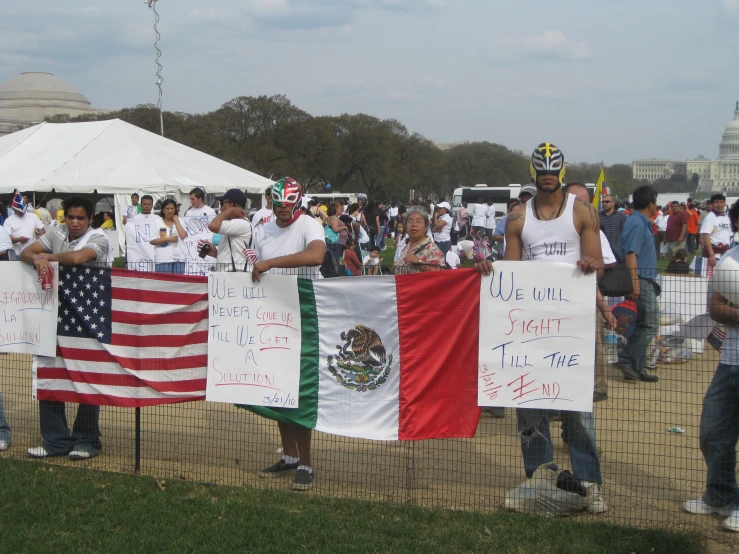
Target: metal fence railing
648,435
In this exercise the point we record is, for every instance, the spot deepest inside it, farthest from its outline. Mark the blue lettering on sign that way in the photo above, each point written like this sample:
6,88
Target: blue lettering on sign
500,292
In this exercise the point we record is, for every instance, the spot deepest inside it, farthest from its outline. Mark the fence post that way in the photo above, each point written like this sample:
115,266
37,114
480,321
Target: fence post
410,472
137,462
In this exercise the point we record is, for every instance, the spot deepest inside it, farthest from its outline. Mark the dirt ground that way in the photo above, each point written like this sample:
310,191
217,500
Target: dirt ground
648,472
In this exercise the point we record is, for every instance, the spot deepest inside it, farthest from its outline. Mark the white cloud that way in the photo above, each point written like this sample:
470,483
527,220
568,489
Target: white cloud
731,6
548,45
268,8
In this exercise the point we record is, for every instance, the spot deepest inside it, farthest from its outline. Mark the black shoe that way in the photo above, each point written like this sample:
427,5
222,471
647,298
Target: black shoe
599,396
643,376
279,469
628,372
303,480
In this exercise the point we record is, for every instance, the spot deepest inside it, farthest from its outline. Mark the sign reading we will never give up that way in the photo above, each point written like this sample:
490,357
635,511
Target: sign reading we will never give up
28,314
254,339
537,337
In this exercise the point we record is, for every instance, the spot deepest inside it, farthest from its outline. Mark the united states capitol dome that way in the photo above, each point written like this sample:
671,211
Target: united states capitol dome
729,147
31,97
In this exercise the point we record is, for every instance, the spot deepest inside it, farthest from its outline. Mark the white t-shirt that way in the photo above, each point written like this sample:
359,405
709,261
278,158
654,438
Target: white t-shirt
5,243
392,212
172,251
236,237
661,222
452,258
605,247
445,235
261,217
479,214
368,260
273,241
719,227
23,227
730,351
197,212
490,217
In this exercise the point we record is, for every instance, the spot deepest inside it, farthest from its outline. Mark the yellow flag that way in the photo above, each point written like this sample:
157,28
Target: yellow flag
599,187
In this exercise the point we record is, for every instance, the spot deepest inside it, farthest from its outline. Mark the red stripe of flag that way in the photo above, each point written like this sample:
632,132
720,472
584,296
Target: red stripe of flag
135,364
157,297
438,357
149,341
60,373
109,400
170,277
133,318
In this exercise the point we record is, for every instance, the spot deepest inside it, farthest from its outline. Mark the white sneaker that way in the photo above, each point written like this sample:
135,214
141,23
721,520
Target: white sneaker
595,502
4,445
37,452
699,507
731,523
81,454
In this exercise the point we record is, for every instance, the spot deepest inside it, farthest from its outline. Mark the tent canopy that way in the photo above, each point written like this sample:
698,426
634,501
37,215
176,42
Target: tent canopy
112,157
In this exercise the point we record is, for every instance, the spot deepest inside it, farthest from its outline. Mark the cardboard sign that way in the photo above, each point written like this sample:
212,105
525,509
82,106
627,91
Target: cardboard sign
197,230
254,336
537,337
28,314
139,231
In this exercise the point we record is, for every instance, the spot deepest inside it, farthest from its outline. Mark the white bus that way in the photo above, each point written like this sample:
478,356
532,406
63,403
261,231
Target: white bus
499,196
343,197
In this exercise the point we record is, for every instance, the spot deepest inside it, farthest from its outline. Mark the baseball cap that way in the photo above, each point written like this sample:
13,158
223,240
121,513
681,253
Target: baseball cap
531,189
444,205
234,195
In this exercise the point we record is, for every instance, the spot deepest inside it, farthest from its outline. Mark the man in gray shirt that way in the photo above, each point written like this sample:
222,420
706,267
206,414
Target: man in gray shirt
74,243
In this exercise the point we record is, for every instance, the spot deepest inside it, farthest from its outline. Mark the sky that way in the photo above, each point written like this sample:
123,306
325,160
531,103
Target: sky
605,81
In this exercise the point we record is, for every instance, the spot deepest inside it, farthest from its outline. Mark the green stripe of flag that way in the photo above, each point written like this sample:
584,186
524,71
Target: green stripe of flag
307,412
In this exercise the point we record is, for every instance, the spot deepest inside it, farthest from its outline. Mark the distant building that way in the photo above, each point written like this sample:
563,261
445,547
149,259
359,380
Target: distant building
721,175
30,98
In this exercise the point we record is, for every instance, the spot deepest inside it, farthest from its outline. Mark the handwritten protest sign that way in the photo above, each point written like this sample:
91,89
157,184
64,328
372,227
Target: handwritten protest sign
537,337
139,253
197,230
254,336
28,314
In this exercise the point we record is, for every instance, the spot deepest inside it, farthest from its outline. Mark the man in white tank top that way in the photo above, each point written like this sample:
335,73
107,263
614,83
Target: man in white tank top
556,227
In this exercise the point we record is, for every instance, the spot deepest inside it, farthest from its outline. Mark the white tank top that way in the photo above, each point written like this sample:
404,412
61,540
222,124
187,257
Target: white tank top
551,241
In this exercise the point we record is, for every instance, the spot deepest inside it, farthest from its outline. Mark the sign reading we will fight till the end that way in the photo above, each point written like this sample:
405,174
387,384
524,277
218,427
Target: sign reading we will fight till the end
537,337
254,338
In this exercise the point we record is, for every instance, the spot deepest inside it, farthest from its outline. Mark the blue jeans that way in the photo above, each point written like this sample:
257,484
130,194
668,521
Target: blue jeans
4,427
718,436
634,353
536,442
170,267
55,432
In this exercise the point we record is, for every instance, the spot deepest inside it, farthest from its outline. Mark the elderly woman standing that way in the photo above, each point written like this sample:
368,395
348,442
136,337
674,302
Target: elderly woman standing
420,253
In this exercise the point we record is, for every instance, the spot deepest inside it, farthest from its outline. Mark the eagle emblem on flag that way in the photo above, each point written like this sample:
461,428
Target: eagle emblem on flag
361,363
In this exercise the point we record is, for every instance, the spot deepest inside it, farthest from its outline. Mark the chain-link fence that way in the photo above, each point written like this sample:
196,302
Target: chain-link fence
648,432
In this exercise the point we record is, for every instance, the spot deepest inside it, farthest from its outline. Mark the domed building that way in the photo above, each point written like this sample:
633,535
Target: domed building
719,175
31,97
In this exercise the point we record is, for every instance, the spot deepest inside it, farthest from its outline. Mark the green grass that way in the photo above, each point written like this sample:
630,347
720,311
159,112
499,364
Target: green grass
56,509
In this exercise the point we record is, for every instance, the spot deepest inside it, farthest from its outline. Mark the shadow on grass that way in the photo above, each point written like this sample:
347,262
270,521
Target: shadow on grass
54,509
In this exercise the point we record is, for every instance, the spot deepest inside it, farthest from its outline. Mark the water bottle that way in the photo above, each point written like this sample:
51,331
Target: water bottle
611,341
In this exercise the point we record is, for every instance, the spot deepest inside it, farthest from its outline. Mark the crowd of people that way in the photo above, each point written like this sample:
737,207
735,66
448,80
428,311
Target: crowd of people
292,232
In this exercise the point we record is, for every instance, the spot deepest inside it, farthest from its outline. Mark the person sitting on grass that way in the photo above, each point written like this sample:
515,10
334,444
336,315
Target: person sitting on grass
371,261
351,260
679,264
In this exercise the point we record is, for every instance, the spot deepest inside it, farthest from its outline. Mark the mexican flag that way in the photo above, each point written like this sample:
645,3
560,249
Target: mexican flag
388,357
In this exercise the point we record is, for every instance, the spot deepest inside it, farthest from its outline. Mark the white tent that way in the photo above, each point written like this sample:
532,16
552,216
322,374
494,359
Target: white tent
113,157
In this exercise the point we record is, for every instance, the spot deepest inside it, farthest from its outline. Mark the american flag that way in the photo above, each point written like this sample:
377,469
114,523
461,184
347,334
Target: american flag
127,338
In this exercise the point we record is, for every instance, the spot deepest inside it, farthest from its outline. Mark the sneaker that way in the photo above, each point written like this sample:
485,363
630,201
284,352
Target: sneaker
303,480
699,507
628,372
279,469
731,523
40,452
83,452
600,396
4,445
596,504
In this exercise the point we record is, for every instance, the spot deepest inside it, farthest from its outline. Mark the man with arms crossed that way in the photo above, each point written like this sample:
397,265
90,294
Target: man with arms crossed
555,215
290,243
716,230
74,243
